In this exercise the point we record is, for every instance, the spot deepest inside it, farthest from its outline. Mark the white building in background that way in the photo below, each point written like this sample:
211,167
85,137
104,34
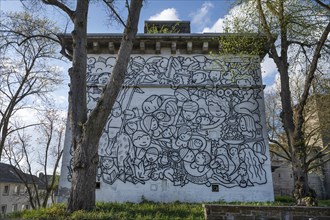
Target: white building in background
188,124
13,192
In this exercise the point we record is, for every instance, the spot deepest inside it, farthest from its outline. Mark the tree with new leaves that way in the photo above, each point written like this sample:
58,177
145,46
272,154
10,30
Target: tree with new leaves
317,123
293,28
87,130
27,44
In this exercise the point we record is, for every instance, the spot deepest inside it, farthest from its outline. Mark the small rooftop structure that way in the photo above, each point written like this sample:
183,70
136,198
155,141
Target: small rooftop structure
166,27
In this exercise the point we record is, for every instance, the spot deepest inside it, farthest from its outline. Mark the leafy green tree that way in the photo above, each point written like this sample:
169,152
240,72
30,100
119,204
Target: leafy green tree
294,29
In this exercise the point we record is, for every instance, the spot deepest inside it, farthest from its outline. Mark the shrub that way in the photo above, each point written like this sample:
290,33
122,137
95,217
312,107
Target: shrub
284,199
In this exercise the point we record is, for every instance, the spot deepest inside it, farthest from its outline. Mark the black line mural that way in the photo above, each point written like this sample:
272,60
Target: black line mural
190,120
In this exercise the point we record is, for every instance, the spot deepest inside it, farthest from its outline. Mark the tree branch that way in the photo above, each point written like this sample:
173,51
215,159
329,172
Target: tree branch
318,164
280,155
282,147
319,154
115,12
311,74
61,6
323,4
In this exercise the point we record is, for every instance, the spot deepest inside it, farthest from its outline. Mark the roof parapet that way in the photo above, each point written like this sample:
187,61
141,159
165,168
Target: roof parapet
175,43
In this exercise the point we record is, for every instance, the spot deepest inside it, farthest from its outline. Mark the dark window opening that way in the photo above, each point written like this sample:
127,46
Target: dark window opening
6,190
3,209
98,185
215,188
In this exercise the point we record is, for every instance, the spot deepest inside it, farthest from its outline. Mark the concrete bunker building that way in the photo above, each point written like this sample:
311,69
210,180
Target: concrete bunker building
188,124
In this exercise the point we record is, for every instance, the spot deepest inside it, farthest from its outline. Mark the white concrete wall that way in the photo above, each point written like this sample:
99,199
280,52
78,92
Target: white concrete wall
182,127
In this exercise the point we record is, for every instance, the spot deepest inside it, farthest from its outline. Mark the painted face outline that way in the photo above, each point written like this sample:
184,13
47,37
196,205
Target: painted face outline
227,75
116,112
154,124
142,141
149,107
107,163
242,155
214,76
185,136
152,157
233,153
222,167
195,144
200,159
167,133
181,97
169,110
188,115
220,162
151,104
242,124
198,143
202,93
103,79
198,77
131,125
189,157
216,110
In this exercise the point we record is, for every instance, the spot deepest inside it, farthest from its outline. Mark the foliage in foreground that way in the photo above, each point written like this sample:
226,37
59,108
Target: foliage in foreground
140,211
144,210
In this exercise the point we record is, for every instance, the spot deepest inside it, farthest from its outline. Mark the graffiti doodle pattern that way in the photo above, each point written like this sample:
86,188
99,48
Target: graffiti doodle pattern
185,119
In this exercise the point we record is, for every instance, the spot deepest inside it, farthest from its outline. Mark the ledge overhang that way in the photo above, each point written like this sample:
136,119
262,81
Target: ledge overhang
179,43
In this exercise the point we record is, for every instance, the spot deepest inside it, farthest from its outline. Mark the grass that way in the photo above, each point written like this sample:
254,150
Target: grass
139,211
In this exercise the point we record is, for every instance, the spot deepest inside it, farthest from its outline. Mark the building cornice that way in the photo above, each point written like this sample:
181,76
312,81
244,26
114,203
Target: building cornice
174,43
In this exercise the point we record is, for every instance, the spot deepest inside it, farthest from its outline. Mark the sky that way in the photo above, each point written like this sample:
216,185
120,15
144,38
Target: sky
204,16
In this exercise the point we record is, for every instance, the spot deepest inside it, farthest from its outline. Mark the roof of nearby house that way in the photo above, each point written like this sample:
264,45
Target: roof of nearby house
10,174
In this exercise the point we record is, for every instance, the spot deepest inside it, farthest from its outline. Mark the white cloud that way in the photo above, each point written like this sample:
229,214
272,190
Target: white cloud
201,17
166,14
217,27
239,12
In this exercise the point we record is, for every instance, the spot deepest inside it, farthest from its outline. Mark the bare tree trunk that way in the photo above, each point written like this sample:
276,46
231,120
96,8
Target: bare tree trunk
82,194
86,137
302,193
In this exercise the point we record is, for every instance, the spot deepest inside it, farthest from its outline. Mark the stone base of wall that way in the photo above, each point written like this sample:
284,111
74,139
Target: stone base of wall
231,212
